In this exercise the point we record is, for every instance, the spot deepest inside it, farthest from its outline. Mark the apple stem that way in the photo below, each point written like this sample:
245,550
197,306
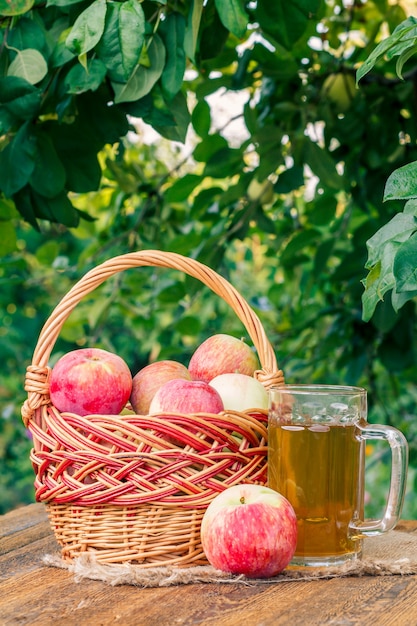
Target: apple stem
242,500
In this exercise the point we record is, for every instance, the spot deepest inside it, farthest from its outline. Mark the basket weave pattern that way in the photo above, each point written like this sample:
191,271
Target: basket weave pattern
134,488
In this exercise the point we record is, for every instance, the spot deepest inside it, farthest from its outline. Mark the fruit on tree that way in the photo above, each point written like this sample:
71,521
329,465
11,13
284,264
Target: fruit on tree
340,90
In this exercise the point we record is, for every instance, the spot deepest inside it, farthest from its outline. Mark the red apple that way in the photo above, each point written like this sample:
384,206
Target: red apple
186,396
250,530
150,378
240,392
222,354
90,380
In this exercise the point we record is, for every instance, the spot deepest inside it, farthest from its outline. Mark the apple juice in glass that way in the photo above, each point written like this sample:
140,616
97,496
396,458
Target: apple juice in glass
316,459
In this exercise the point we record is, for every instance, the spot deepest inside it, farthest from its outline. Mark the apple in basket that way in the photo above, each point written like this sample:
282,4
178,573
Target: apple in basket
250,530
150,378
186,396
240,392
90,380
221,354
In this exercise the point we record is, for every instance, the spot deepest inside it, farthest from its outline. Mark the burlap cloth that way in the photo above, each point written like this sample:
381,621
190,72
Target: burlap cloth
394,553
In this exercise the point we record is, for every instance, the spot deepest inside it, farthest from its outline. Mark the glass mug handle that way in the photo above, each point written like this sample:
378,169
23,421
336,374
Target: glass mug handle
399,457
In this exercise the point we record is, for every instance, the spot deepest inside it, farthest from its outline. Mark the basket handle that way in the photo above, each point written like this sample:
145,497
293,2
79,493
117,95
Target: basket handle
37,377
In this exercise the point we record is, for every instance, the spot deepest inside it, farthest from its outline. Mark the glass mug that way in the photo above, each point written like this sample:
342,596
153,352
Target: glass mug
316,459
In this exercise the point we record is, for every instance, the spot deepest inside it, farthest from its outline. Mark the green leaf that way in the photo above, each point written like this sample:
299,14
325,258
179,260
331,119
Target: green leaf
224,160
60,53
402,183
8,238
192,29
405,265
201,118
144,78
47,253
7,121
100,123
19,98
402,60
58,209
15,7
407,31
123,38
17,161
233,16
181,189
178,110
396,231
211,41
79,80
290,179
30,65
322,209
88,28
383,248
410,207
323,253
48,177
61,3
7,209
82,168
322,164
24,204
174,292
300,241
398,300
286,21
27,33
188,326
209,146
173,33
374,291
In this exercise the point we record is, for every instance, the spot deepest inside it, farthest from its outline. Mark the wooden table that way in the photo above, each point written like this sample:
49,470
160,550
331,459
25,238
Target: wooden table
31,593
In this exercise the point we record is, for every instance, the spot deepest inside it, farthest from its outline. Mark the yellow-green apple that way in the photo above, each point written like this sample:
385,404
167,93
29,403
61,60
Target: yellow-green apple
186,396
90,380
222,354
250,530
150,378
240,392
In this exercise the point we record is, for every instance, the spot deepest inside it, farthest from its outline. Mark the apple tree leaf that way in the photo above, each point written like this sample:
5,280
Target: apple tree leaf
233,15
88,28
143,78
402,183
123,38
30,65
15,7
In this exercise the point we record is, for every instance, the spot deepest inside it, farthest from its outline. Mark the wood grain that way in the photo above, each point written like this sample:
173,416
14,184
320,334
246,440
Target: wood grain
35,595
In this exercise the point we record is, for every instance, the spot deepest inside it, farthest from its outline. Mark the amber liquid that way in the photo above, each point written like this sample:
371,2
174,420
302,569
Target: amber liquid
319,469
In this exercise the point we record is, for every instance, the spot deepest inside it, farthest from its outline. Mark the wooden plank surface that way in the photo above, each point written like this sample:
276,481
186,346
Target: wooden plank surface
36,595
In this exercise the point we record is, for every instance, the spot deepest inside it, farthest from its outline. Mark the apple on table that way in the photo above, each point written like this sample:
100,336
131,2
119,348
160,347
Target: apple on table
249,529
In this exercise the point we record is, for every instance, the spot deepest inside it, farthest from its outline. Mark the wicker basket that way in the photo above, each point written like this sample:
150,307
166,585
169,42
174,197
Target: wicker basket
117,486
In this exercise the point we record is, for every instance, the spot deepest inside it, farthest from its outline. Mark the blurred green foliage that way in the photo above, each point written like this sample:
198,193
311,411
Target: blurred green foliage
283,205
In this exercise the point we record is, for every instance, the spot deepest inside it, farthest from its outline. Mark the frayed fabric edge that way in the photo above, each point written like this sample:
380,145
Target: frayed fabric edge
87,567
